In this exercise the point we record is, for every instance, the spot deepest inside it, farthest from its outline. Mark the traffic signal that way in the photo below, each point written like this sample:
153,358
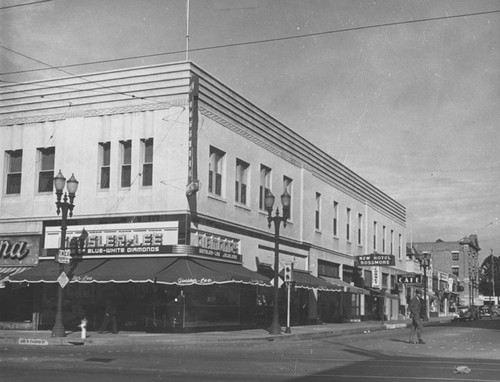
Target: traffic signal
288,273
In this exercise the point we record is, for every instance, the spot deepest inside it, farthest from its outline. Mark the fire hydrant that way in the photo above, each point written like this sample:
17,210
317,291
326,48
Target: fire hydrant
83,326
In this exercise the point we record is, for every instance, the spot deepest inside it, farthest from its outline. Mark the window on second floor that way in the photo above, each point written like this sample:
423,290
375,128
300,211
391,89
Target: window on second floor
14,167
455,270
455,255
335,218
241,182
384,229
392,242
265,184
147,161
46,158
104,163
374,236
348,224
287,185
317,212
360,226
126,163
215,171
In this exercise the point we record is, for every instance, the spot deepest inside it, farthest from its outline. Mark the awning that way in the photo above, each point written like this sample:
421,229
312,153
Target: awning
164,270
194,271
304,279
6,272
345,286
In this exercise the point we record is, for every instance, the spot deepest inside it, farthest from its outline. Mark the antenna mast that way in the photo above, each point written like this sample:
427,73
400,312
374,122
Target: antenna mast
187,30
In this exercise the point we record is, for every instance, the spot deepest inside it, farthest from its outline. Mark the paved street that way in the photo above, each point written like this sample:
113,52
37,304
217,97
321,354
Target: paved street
375,356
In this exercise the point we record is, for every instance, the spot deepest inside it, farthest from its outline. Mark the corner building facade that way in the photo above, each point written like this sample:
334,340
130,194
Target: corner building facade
169,219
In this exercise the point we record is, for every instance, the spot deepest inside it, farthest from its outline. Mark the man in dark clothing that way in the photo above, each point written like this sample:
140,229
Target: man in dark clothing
109,317
416,314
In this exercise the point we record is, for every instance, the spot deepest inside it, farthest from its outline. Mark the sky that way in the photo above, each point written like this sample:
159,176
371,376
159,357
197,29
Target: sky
404,93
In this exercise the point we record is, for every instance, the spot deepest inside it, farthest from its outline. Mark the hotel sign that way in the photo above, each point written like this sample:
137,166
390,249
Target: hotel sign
375,259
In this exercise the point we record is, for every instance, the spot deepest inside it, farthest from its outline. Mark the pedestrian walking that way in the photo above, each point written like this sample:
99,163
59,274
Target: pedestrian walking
417,311
109,317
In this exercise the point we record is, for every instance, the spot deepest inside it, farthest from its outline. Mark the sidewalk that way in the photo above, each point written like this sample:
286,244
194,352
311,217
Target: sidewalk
41,338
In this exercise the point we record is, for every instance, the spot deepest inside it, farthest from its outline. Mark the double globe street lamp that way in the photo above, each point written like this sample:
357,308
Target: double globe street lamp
424,258
276,219
64,206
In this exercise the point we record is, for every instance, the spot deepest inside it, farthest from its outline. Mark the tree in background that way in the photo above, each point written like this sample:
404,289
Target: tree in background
489,274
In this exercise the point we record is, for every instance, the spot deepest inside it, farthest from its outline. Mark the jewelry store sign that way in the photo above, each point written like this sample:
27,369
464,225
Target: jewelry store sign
106,240
217,246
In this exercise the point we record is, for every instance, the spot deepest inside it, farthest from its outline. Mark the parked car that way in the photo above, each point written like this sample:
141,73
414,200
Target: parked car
495,310
485,311
468,312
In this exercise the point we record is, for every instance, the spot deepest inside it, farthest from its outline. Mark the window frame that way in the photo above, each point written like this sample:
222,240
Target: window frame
147,157
348,224
216,159
241,178
264,184
126,166
317,212
14,175
46,174
104,165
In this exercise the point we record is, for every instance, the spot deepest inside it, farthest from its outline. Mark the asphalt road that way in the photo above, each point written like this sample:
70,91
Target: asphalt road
379,356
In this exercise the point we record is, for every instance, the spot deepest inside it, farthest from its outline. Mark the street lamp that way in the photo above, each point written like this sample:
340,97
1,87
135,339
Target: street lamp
276,219
65,207
424,259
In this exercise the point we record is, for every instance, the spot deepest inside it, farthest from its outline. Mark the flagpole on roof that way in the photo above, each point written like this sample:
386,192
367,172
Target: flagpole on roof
187,30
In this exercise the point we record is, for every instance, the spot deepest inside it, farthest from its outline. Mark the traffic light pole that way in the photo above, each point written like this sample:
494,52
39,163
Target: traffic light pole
288,287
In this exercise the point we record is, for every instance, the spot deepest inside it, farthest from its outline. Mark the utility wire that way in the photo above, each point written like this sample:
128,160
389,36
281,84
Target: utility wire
265,41
24,4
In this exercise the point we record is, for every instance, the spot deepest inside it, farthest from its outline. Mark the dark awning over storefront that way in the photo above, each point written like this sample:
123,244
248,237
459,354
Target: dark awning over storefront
165,270
304,279
6,272
345,286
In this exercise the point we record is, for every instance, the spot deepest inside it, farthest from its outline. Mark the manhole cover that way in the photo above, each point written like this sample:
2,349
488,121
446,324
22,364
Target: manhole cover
99,360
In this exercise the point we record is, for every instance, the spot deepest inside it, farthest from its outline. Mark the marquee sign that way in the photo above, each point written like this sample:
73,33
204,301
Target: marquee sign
375,259
409,279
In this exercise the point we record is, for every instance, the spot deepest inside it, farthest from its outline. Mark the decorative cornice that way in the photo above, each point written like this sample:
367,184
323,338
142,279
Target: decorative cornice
78,113
251,137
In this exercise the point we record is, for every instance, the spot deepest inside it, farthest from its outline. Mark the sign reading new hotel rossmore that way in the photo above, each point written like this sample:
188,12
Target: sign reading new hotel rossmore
375,259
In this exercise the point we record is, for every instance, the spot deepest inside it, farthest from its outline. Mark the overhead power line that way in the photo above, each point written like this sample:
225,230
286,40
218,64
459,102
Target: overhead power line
24,4
265,41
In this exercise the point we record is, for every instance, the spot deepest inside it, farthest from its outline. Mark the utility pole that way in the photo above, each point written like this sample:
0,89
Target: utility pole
493,273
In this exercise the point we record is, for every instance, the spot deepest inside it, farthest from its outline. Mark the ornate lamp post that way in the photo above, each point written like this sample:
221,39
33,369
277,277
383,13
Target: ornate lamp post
276,219
424,259
65,207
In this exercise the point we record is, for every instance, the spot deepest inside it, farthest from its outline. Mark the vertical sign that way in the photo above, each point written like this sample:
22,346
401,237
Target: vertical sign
376,282
193,129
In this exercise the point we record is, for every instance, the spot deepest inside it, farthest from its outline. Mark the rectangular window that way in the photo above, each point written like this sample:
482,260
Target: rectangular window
455,255
400,246
317,212
265,184
46,158
360,225
215,171
328,269
392,242
335,218
104,163
383,238
374,236
455,271
241,182
348,224
147,161
14,166
126,170
287,185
